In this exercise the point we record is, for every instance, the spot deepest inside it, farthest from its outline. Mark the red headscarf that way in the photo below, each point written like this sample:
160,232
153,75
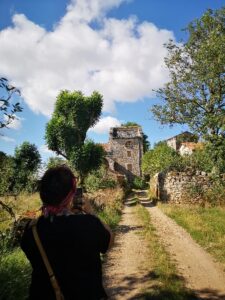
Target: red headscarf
57,209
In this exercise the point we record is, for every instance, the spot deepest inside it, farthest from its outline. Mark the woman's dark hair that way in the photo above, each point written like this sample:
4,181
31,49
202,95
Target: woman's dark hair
56,184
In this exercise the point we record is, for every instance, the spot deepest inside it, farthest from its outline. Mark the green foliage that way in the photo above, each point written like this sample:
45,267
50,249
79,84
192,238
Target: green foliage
86,158
55,161
161,158
6,173
200,160
209,159
27,160
195,93
139,183
146,143
7,108
99,179
215,149
73,115
15,272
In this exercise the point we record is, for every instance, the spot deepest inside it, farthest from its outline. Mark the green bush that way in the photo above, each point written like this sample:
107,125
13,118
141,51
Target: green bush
15,274
139,183
161,158
99,179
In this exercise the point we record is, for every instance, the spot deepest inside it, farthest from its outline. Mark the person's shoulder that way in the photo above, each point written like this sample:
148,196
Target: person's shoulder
86,218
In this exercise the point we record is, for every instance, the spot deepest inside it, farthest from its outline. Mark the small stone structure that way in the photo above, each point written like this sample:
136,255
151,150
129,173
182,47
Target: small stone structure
175,141
187,148
174,187
125,150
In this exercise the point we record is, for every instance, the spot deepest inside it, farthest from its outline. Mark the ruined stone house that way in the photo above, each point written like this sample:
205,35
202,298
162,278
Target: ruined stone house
125,150
175,141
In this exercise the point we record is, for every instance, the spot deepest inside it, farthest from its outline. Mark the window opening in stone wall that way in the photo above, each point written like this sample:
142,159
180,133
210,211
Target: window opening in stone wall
129,167
128,153
128,144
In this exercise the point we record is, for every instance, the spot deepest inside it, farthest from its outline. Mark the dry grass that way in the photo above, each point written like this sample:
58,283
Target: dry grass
22,204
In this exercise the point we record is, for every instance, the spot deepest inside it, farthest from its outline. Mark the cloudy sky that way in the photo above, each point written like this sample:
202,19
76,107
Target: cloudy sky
113,46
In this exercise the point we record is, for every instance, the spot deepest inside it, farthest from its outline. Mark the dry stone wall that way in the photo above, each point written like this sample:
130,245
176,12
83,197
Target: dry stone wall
180,187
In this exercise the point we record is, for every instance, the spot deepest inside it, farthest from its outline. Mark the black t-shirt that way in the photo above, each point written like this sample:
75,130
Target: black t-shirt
73,245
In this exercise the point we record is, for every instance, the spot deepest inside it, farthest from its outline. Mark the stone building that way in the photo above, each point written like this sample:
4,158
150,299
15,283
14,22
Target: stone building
188,148
125,150
175,141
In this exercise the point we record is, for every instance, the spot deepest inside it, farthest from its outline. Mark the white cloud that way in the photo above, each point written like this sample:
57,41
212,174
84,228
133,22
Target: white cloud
7,139
15,124
104,124
122,59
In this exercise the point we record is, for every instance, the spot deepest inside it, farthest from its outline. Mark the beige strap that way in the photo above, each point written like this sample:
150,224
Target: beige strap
54,282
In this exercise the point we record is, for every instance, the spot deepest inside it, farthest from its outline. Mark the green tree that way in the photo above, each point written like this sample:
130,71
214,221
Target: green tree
6,173
27,160
73,115
146,143
87,158
8,110
161,158
56,161
195,93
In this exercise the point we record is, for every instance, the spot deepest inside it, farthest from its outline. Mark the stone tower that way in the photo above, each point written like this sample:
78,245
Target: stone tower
125,150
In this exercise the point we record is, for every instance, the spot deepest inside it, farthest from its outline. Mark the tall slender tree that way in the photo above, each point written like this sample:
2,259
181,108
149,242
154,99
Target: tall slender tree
66,132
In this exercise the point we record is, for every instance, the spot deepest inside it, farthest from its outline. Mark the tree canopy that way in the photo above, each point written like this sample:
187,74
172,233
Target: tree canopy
159,159
8,110
195,93
73,115
27,160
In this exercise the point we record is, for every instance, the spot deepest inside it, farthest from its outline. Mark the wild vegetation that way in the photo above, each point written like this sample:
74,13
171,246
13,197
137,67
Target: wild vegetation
195,94
15,270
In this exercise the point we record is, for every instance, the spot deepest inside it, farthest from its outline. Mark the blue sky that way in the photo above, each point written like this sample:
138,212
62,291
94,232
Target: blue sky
113,46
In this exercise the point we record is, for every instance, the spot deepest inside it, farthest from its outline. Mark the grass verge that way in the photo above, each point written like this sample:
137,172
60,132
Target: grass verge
15,273
206,225
164,281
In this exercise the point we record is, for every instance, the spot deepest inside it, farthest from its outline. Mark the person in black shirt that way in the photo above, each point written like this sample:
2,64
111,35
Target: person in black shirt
72,242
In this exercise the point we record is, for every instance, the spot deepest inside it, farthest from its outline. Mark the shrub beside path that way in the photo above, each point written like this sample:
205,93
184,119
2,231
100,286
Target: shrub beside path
127,268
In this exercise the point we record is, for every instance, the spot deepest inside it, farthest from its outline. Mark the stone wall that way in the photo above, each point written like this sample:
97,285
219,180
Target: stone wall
176,187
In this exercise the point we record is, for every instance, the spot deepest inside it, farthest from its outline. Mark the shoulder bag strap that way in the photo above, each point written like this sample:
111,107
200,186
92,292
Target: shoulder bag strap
54,282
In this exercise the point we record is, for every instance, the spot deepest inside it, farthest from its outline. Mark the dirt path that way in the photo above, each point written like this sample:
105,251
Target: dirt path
201,272
126,271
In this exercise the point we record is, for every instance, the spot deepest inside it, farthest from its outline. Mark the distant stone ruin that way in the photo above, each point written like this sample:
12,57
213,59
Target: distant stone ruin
125,150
